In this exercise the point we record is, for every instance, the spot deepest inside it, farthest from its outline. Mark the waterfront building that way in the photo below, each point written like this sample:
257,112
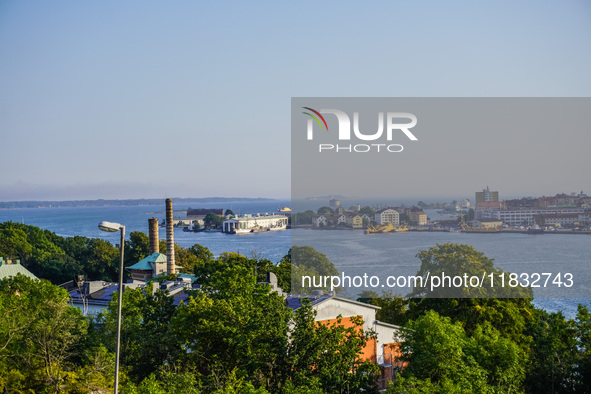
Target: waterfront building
254,224
319,221
487,196
355,220
387,216
526,217
202,213
488,210
419,217
560,219
196,216
488,224
329,219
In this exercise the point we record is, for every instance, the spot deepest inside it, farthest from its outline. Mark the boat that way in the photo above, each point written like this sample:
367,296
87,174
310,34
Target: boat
386,228
284,209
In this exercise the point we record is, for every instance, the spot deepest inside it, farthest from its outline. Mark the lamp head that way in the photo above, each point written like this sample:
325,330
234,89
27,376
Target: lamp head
109,226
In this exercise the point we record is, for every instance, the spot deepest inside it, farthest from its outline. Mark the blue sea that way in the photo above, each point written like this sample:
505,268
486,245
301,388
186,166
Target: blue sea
512,252
69,222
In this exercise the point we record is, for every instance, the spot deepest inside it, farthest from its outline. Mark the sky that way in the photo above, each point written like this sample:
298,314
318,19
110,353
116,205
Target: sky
145,99
521,147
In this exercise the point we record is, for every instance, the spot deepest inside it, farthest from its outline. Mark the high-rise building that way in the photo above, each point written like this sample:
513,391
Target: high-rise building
487,196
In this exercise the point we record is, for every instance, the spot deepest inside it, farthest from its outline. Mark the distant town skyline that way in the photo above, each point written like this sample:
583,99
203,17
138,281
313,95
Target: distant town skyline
145,100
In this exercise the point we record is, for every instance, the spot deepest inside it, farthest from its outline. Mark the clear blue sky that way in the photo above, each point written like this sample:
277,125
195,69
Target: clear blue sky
136,99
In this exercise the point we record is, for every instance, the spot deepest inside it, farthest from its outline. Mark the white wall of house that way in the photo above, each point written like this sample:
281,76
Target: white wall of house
388,216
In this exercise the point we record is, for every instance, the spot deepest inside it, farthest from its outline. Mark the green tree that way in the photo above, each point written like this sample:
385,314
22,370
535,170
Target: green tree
235,324
583,333
366,222
28,243
301,218
393,306
201,252
212,220
306,261
58,268
101,260
283,273
13,243
148,342
76,247
328,355
185,258
229,212
137,248
503,360
368,211
508,315
323,210
39,334
436,352
554,354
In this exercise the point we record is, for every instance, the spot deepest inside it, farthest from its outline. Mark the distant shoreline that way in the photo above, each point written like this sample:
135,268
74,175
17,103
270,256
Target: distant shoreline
118,203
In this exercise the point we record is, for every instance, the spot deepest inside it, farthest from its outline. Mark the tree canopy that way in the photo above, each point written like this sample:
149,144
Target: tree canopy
236,335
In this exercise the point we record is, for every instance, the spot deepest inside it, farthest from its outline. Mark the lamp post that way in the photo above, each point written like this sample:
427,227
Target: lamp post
112,228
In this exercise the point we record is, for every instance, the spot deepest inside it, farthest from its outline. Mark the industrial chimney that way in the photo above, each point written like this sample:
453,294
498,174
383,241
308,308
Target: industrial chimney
154,241
169,238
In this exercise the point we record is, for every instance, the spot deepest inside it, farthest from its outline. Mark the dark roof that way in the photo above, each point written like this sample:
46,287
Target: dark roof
295,301
385,209
104,294
204,212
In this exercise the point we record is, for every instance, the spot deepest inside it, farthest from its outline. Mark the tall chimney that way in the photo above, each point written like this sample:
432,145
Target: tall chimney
154,241
169,238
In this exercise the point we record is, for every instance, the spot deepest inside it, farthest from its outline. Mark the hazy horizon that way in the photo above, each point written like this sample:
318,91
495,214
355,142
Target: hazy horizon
349,199
148,100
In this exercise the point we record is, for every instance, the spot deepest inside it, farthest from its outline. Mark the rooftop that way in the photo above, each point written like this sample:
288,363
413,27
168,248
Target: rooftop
10,268
146,263
294,301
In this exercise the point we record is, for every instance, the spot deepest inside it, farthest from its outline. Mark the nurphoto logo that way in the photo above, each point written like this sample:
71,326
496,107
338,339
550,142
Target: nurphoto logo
393,126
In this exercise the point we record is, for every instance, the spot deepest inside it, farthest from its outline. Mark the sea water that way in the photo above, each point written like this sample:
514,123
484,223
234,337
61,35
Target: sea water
510,251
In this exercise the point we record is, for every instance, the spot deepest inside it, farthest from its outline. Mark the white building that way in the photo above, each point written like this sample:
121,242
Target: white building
419,217
254,224
526,217
319,221
489,210
388,215
329,219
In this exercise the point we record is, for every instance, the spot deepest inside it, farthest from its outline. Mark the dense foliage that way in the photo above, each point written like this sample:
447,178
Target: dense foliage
484,344
233,335
236,335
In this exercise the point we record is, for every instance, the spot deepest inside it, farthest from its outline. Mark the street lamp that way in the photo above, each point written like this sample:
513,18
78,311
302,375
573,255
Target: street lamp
112,228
